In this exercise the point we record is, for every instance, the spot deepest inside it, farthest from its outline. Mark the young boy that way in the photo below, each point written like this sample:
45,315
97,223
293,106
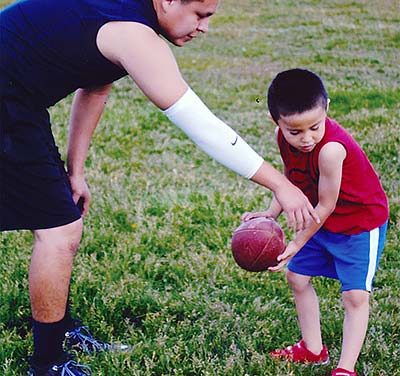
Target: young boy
325,162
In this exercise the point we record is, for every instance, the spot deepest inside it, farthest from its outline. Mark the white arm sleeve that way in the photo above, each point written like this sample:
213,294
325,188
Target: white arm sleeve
212,135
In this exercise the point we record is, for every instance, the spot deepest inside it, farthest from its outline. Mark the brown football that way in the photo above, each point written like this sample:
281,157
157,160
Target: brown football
257,243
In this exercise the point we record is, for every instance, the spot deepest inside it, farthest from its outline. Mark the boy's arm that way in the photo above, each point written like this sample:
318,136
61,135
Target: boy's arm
272,212
87,108
275,208
330,165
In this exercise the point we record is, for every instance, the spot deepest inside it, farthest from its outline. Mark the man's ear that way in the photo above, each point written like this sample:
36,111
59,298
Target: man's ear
166,4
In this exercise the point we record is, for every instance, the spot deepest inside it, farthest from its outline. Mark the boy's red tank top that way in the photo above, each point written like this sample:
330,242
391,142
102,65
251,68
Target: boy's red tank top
362,203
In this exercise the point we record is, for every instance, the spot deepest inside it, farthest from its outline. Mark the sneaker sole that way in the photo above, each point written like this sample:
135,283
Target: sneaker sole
324,363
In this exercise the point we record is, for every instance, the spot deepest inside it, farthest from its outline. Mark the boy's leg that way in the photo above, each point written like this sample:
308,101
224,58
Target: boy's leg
311,260
356,259
49,277
307,307
356,305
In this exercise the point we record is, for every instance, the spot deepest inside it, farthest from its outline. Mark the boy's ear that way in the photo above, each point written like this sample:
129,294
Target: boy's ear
276,133
271,118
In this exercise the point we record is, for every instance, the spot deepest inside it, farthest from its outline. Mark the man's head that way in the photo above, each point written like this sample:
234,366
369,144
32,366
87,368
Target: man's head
183,20
298,103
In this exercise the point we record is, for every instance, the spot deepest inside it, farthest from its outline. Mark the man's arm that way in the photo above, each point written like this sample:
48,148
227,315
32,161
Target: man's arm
330,165
146,57
300,213
151,64
87,108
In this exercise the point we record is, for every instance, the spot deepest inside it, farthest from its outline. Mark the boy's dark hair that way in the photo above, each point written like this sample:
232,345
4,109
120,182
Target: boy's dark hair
295,91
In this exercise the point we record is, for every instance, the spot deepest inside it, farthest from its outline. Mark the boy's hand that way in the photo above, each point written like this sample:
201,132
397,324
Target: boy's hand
251,215
291,249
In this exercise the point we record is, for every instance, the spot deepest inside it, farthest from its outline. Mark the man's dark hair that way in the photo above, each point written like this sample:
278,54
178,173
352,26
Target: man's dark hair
295,91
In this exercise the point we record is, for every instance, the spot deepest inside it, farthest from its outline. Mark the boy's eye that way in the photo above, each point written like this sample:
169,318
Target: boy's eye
294,133
315,128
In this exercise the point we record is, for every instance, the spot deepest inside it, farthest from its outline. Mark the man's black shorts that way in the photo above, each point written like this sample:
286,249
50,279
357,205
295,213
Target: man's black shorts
34,187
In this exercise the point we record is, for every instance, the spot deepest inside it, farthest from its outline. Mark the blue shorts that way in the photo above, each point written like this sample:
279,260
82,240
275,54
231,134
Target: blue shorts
352,259
34,188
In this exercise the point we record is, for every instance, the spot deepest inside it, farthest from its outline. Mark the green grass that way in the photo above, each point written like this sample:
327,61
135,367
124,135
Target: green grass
155,269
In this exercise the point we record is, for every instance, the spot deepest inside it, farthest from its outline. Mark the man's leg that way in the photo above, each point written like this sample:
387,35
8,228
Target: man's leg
356,305
49,277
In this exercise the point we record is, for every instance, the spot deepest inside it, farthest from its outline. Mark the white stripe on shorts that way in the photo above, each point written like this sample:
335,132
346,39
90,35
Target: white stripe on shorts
373,254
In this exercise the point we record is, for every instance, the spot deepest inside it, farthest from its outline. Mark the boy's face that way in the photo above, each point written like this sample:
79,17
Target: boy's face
183,21
304,130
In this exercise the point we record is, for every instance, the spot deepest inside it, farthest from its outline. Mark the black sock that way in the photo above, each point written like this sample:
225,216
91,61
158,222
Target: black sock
67,318
70,322
48,341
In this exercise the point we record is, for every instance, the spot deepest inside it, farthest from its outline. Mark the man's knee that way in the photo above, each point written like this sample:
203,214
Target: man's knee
297,282
64,238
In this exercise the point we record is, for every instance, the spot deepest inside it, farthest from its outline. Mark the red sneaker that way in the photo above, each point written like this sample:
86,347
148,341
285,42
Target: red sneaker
299,353
343,372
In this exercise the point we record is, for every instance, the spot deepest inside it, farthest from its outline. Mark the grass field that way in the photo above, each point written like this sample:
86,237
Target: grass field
155,268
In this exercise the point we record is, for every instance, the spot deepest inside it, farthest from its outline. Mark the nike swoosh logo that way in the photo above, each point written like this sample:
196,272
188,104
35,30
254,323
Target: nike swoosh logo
234,142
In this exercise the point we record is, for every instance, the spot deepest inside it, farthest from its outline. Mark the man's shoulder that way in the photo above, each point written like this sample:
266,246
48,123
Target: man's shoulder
124,42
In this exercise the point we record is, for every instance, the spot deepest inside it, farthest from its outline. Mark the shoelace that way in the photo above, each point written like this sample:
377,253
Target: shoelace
66,371
86,341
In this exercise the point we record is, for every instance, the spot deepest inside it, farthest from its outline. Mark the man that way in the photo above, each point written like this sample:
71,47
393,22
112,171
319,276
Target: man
53,48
